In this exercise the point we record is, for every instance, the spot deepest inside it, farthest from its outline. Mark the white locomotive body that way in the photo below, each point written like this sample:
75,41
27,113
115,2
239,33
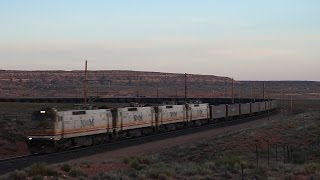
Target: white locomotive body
83,123
171,114
218,111
64,129
198,114
233,110
130,120
134,117
245,109
53,130
255,107
198,111
262,106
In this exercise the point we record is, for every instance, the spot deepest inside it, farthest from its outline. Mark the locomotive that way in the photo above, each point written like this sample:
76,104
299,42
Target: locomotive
52,130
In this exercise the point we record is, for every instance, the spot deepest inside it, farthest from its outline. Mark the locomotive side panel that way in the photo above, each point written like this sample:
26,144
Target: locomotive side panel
83,123
134,118
267,104
218,111
198,111
233,110
262,106
274,104
171,114
245,109
254,107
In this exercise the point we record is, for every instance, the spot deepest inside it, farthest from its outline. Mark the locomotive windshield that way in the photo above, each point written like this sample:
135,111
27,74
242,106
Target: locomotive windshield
44,115
42,123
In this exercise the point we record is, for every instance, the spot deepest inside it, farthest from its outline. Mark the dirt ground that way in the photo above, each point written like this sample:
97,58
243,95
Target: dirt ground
12,149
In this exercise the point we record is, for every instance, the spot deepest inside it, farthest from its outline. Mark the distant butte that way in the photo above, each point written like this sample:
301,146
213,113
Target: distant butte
114,83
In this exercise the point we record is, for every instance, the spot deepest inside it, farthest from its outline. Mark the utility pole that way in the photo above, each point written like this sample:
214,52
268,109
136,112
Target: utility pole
157,92
85,88
240,94
283,105
268,105
176,92
291,98
232,91
263,91
283,98
254,92
224,89
185,87
291,102
251,92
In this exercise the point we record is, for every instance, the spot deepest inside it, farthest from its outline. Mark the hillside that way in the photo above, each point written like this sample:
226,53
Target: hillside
114,83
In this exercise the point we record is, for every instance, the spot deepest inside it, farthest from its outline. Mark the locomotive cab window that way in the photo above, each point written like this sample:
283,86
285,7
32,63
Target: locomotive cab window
132,109
44,115
78,112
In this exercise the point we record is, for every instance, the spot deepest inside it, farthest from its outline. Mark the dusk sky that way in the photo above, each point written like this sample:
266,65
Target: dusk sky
244,39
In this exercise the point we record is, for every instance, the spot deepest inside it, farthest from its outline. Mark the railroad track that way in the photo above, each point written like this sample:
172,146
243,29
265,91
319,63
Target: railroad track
11,164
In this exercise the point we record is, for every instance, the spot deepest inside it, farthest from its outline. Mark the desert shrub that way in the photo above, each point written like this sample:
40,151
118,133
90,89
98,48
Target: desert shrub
289,177
40,169
37,178
271,178
116,175
11,135
137,165
138,162
77,173
191,169
315,177
126,160
133,173
298,156
229,161
210,165
275,167
287,168
312,168
250,166
85,164
259,173
65,167
17,175
160,170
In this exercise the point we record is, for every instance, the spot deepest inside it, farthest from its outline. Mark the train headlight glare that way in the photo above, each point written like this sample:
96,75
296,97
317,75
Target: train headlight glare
30,138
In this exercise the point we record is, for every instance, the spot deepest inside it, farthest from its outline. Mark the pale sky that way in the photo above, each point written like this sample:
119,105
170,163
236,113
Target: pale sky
243,39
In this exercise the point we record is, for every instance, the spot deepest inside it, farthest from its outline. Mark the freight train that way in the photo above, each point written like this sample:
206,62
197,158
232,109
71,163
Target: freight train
52,130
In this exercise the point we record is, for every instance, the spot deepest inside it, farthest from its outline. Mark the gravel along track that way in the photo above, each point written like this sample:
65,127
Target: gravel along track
144,145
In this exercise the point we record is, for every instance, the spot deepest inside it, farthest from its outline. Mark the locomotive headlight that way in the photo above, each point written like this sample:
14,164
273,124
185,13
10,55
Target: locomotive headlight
30,138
